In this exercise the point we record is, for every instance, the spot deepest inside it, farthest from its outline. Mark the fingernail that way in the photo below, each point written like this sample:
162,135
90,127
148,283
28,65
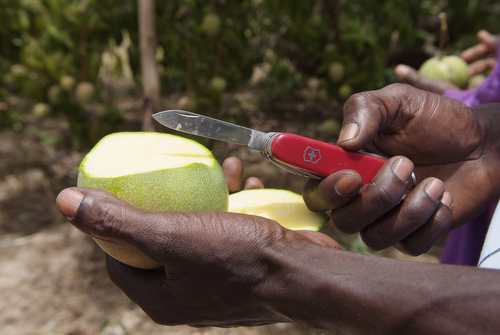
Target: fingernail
68,202
447,200
349,132
401,71
346,185
434,189
403,168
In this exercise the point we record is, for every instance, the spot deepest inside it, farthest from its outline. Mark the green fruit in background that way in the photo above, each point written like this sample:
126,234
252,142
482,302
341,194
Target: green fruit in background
218,84
84,92
475,81
18,70
330,48
344,92
54,94
187,102
41,110
285,207
449,68
156,172
67,83
211,24
331,127
336,71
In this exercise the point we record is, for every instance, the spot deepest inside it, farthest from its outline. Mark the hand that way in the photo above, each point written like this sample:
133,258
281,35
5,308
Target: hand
233,171
214,263
377,211
408,75
447,143
477,55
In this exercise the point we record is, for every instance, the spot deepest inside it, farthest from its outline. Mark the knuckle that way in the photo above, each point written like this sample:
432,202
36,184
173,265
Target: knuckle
411,247
106,219
345,224
382,199
373,237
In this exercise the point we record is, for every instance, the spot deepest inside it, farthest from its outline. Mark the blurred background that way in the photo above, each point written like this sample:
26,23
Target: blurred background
73,71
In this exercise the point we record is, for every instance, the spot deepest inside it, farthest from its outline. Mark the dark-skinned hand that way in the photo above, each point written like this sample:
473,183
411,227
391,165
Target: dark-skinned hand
213,262
442,140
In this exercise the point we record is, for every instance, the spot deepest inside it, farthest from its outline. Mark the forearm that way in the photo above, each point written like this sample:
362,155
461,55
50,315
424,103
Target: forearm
478,182
489,116
357,294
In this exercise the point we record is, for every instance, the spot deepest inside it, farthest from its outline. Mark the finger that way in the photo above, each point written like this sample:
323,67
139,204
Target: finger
475,52
106,217
482,66
233,171
253,183
487,38
412,214
487,45
332,192
376,199
97,212
365,114
426,236
409,75
319,238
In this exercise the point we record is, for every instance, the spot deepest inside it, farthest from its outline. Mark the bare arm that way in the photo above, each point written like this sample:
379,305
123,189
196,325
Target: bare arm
223,269
348,293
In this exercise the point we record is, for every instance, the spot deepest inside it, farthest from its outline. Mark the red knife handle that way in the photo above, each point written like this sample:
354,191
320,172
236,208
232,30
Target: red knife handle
321,158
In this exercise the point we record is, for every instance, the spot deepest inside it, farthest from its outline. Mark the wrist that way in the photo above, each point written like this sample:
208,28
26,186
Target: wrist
301,287
489,117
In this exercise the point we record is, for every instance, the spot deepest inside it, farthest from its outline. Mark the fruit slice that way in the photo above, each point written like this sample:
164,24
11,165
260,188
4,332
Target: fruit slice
285,207
156,172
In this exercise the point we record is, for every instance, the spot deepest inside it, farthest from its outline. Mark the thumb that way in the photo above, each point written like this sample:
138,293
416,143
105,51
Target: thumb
104,216
362,119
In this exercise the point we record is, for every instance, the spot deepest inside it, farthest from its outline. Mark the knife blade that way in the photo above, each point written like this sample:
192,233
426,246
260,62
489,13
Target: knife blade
296,154
204,126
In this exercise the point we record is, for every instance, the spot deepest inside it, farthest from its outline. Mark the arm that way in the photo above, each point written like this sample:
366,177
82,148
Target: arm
222,269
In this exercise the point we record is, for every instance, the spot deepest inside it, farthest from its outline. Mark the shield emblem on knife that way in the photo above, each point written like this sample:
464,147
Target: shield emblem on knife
312,155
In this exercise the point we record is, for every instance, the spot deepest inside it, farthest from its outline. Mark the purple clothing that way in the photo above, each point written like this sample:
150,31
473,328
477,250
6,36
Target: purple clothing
463,245
487,91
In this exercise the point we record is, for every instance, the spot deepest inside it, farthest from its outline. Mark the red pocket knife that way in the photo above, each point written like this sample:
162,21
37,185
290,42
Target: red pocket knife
296,154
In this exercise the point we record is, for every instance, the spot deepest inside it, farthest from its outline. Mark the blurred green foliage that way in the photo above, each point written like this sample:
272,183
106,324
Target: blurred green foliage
207,48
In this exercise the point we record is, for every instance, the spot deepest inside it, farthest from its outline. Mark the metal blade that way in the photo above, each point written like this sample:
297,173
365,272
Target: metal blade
205,126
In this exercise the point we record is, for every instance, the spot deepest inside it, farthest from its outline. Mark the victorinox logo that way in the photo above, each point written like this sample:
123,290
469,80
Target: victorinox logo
312,155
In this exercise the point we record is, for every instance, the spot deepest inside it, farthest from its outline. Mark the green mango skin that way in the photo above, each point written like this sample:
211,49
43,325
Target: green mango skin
192,188
449,68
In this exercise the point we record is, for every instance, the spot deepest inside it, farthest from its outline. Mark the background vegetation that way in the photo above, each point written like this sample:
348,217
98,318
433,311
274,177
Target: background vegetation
70,73
76,57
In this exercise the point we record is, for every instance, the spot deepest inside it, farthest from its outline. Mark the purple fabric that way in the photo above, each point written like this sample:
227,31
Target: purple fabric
463,245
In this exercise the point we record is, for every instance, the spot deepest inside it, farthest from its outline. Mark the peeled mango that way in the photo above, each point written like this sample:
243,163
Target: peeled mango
155,172
286,207
448,68
163,172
